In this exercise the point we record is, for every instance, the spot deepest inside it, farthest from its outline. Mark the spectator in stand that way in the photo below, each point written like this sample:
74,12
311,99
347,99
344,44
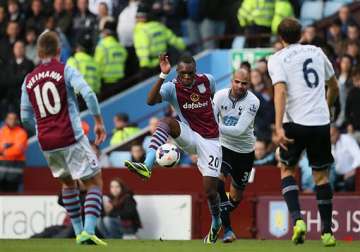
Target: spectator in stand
334,37
62,17
266,112
213,25
352,49
110,56
352,109
121,218
65,47
170,12
7,42
15,14
153,123
123,130
263,155
3,21
13,144
84,22
137,153
125,31
95,4
103,15
85,63
69,8
345,84
345,19
151,38
346,154
37,16
18,67
30,48
353,32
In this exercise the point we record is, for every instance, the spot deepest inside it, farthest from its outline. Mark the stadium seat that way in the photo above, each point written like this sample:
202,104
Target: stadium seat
332,7
117,158
311,11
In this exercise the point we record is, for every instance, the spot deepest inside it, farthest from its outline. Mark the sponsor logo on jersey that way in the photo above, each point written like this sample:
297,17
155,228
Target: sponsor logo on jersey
202,88
195,105
279,218
194,97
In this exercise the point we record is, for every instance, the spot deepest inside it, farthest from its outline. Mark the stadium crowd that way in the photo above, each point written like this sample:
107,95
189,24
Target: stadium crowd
88,29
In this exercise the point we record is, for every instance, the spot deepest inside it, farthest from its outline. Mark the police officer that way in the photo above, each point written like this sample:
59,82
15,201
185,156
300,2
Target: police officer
151,38
85,63
256,17
110,55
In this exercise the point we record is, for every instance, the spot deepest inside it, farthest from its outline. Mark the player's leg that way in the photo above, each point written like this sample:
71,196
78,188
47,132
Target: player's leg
240,168
83,165
209,163
320,159
210,188
290,190
70,191
166,127
71,200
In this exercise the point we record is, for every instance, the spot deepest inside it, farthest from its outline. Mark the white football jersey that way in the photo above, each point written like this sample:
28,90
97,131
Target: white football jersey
236,120
304,69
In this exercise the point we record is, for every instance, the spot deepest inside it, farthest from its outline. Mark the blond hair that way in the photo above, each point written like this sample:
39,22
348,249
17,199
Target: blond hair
48,44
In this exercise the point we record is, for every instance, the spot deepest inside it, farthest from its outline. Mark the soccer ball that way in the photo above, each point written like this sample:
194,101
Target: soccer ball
167,155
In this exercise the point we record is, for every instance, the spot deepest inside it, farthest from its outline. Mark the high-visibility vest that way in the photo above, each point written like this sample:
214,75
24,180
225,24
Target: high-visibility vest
283,9
256,12
87,66
151,39
110,55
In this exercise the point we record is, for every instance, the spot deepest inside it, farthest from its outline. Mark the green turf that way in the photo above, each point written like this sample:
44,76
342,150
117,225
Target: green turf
57,245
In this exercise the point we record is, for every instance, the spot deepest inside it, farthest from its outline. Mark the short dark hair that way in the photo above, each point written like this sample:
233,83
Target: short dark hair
122,117
48,44
290,30
187,59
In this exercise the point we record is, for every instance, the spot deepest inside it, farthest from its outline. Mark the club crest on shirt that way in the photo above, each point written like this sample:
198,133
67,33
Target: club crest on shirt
240,110
202,88
194,97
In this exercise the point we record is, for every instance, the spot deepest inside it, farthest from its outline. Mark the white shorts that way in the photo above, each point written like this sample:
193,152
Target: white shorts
208,150
78,160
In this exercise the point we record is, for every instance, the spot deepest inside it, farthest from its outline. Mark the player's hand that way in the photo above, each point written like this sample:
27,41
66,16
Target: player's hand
281,139
100,133
164,63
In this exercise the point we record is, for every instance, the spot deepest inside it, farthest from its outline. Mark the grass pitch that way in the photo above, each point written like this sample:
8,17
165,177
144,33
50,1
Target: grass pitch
64,245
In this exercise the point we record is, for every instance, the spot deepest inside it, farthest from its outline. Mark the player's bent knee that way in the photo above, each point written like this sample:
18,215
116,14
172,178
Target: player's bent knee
321,177
95,181
287,171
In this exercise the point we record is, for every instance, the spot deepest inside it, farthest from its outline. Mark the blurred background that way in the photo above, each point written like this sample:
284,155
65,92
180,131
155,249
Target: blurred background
115,44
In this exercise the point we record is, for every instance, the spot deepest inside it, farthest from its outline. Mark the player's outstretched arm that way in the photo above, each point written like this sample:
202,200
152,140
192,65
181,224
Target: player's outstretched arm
154,94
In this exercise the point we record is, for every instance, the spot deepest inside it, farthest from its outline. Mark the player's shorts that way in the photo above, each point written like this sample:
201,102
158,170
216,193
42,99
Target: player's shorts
314,139
238,165
77,160
208,150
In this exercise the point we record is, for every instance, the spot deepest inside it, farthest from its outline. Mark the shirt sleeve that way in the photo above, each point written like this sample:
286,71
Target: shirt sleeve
329,70
276,71
26,110
216,106
212,83
167,91
74,79
244,121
